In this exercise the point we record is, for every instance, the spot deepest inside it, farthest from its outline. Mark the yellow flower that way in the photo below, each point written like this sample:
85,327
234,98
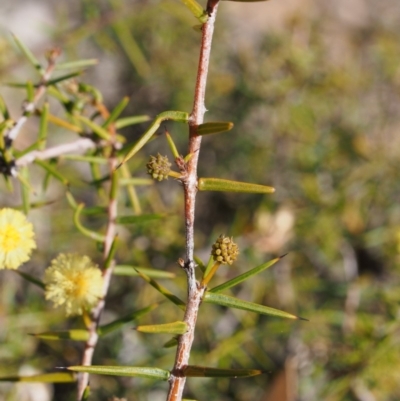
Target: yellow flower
73,281
16,239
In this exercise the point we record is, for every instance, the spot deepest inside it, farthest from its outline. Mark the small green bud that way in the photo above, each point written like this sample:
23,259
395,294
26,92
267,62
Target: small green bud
224,250
159,167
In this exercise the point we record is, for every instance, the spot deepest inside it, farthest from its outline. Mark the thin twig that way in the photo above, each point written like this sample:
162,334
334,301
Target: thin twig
195,291
79,146
87,357
29,107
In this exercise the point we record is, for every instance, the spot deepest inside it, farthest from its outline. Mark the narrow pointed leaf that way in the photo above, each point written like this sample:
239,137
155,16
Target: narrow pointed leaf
204,371
136,181
130,371
219,184
239,279
117,324
25,190
74,335
161,289
3,109
86,159
111,253
97,129
196,9
127,121
64,124
200,263
62,78
144,218
28,54
209,266
30,94
232,302
179,116
127,270
43,126
172,145
52,171
86,394
215,127
31,279
58,377
173,342
76,64
169,328
88,233
119,108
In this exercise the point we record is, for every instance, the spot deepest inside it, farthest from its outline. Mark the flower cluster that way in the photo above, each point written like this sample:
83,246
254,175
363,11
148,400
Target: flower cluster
159,167
16,239
224,250
73,281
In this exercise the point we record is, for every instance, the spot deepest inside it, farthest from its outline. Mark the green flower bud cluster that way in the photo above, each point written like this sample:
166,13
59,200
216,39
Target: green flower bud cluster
159,167
224,250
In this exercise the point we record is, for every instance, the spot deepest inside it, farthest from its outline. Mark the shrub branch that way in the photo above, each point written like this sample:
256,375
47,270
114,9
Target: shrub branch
195,291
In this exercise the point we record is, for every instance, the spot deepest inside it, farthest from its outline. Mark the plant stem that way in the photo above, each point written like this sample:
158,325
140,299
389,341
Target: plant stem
195,291
87,357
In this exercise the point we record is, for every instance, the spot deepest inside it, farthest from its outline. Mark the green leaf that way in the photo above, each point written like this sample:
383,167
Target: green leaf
130,371
144,218
76,64
3,109
219,184
58,377
88,233
25,190
87,159
97,129
127,270
136,181
178,327
172,145
204,371
133,51
231,302
199,263
52,171
42,137
127,121
28,54
111,253
31,279
86,394
161,289
209,266
116,324
215,127
173,342
118,109
62,78
239,279
74,335
196,9
179,116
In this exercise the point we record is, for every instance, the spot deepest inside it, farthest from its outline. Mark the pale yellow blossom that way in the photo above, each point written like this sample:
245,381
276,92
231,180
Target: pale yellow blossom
16,239
75,282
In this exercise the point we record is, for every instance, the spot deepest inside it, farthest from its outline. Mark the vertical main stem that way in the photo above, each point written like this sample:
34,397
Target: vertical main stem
195,291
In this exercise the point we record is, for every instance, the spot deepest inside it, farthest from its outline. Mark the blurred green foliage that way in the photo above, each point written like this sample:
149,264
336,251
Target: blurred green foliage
322,129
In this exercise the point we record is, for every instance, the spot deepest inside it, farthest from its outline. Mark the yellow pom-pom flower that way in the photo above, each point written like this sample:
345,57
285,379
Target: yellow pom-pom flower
16,239
75,282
